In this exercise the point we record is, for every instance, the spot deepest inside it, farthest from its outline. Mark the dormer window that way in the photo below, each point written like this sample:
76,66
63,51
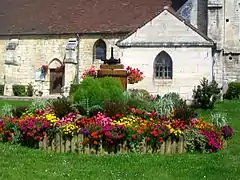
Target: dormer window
72,44
12,45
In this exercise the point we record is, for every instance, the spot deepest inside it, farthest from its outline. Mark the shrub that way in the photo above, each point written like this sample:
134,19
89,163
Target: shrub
139,98
1,90
74,88
19,90
6,111
163,106
233,91
94,110
96,91
29,90
140,93
19,111
219,120
80,108
175,97
183,112
112,108
206,94
195,141
62,106
38,104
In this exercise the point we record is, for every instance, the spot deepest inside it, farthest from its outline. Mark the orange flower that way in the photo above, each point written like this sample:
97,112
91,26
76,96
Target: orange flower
95,142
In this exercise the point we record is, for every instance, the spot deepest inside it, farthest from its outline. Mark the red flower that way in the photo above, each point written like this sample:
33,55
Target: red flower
154,133
160,140
94,135
134,136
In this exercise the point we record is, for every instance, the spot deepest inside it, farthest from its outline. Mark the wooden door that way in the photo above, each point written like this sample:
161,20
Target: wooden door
56,81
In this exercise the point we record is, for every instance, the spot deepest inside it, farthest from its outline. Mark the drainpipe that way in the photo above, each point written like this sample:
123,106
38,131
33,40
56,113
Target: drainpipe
223,45
78,50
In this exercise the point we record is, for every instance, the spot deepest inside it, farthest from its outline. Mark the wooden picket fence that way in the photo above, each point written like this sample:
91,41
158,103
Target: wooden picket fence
58,144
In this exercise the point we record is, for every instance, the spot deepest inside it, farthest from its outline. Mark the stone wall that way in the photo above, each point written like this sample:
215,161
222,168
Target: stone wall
224,29
190,65
34,51
30,54
86,48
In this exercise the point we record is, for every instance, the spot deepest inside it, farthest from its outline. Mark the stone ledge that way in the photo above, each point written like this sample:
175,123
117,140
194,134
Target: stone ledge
25,98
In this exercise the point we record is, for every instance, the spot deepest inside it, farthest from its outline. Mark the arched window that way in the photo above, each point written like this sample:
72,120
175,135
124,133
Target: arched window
163,66
99,50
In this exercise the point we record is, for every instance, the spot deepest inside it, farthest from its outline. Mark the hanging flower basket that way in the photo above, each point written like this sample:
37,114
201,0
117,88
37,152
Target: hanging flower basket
134,75
91,71
44,69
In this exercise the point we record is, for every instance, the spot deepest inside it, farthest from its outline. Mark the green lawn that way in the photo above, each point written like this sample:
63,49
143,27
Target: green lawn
22,163
13,102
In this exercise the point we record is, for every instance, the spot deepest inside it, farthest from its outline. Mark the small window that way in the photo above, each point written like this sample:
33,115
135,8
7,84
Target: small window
12,45
72,44
163,66
99,50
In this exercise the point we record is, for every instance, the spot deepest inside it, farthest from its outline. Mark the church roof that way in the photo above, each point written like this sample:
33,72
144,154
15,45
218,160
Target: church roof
76,16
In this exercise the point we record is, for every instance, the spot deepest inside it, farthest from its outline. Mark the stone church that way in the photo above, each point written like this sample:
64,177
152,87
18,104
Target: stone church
174,42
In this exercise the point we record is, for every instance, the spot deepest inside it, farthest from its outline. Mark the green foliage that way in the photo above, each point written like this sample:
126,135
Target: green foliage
29,90
112,108
96,91
19,90
74,88
219,119
62,106
233,91
18,111
38,104
94,110
206,94
175,98
140,94
138,98
80,107
195,141
184,112
163,106
6,111
1,90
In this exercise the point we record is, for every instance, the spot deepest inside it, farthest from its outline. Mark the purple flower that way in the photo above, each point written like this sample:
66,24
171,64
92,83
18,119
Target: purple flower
227,132
84,131
107,128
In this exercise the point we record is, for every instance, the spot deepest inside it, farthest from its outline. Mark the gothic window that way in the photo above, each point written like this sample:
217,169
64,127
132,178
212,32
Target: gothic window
185,11
163,66
99,50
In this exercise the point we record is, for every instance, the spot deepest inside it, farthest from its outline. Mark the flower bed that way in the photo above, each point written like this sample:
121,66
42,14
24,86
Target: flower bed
134,131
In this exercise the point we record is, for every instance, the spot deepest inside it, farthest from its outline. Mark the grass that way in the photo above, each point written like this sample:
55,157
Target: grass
13,102
18,162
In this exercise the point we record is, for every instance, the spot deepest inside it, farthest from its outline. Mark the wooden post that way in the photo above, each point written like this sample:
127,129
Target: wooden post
41,144
73,143
168,146
163,148
62,145
180,145
57,143
68,146
174,147
45,142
